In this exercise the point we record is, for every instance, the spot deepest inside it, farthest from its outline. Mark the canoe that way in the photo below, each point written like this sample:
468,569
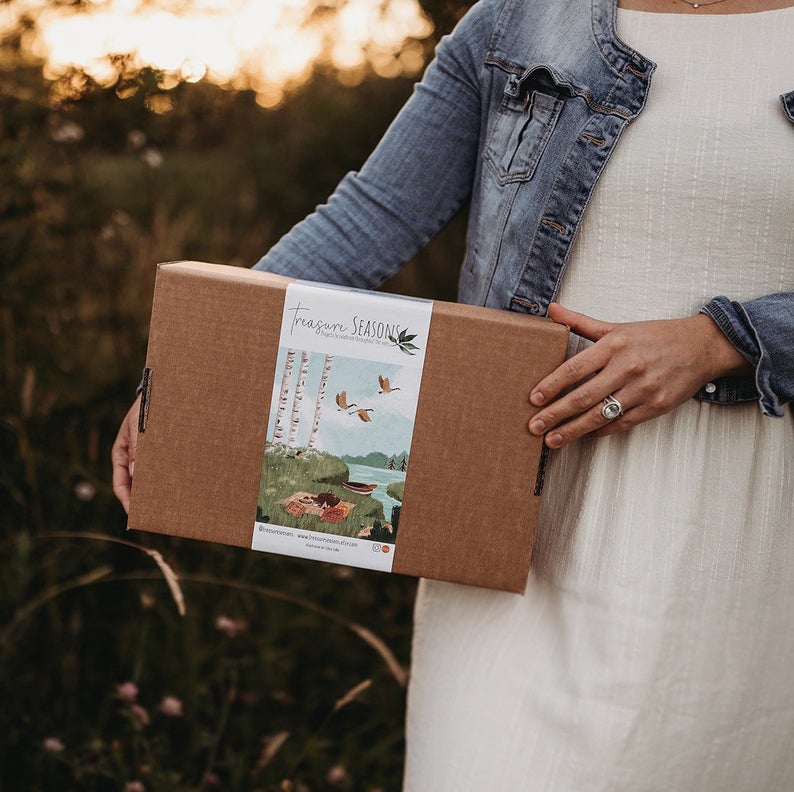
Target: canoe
359,487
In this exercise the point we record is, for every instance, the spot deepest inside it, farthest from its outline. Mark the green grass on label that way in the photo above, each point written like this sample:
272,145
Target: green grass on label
284,474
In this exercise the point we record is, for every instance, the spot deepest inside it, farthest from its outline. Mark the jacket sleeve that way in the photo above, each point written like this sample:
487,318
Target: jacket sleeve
417,178
763,331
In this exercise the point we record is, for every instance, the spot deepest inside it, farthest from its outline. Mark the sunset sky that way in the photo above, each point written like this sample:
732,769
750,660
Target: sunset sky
267,45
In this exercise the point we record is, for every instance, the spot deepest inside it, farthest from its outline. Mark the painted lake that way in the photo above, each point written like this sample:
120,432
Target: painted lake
380,476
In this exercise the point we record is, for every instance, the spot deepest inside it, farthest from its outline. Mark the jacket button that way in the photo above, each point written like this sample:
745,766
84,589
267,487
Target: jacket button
710,387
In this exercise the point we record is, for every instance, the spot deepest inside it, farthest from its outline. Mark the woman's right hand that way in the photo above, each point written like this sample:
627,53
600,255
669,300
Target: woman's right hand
123,455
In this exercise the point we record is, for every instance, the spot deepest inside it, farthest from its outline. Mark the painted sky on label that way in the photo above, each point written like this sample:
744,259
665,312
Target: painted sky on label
341,433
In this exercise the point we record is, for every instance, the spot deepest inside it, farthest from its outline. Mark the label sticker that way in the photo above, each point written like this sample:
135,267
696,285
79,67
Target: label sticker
341,419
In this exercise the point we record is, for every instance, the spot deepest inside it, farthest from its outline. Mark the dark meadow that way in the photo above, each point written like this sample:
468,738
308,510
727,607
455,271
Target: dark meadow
134,661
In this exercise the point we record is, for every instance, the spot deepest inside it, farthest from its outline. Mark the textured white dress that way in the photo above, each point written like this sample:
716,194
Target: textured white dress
654,647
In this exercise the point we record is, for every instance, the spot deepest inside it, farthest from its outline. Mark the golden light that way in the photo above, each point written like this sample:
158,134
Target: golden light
267,45
193,70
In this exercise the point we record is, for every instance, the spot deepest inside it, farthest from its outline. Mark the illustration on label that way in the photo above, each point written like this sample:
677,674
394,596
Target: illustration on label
348,375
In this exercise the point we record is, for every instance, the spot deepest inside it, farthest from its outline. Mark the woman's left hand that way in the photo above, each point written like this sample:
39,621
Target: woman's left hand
649,367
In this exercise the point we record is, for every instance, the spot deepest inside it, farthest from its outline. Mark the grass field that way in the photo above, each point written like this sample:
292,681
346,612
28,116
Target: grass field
284,475
279,674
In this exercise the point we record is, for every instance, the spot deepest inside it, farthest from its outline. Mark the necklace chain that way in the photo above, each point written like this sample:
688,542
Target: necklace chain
700,5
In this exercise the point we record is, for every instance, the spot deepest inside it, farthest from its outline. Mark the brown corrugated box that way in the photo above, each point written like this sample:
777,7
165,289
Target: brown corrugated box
470,503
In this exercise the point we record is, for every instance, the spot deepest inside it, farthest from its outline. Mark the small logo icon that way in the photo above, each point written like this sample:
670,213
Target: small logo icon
385,549
376,548
403,342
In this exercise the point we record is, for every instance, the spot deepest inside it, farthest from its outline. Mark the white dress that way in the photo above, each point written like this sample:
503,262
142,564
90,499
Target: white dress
654,647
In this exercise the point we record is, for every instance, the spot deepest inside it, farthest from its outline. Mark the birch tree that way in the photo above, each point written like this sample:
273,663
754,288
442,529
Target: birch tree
329,359
297,400
278,430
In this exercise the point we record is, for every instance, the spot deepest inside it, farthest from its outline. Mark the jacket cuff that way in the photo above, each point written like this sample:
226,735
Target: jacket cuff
734,321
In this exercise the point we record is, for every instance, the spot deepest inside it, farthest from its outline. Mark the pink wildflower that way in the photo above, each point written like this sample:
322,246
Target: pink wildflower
127,691
152,157
230,627
67,132
53,745
136,139
140,715
226,626
337,775
171,706
84,491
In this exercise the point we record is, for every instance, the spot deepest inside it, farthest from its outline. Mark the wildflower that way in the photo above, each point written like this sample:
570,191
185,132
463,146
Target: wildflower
140,715
283,697
121,218
84,491
171,706
337,775
136,139
68,132
230,627
152,157
134,786
107,233
127,691
226,626
53,745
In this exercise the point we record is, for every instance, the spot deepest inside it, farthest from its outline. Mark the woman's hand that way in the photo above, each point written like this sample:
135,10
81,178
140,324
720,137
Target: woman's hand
649,367
123,455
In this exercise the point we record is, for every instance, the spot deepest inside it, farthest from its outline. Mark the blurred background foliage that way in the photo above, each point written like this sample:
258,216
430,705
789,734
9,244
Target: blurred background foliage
247,690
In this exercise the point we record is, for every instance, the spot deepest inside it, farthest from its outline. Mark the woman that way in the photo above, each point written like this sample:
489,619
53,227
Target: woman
651,650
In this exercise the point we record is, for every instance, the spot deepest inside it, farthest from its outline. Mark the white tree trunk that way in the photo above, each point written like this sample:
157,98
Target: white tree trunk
329,359
278,430
297,401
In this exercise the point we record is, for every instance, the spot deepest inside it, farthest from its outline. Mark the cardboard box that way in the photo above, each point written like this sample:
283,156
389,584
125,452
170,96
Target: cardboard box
472,484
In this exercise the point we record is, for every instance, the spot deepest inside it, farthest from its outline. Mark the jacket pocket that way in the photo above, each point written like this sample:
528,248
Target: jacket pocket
519,133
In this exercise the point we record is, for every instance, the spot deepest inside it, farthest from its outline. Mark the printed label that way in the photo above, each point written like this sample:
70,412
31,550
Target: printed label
341,420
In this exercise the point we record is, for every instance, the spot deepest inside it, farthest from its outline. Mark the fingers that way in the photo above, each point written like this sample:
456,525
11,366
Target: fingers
581,324
122,456
122,480
651,367
570,418
578,367
572,371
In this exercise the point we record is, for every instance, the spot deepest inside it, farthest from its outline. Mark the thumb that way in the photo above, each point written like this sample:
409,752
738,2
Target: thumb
581,324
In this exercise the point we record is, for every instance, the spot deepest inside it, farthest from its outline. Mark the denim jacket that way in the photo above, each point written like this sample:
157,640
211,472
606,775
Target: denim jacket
518,115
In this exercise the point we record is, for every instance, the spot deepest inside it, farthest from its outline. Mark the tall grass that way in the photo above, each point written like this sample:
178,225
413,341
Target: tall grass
280,674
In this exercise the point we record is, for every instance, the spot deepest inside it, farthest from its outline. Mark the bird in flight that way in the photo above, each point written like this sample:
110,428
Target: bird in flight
363,413
385,385
341,400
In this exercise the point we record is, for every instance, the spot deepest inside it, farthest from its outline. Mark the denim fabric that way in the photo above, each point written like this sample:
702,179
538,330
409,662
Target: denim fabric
518,115
788,104
763,331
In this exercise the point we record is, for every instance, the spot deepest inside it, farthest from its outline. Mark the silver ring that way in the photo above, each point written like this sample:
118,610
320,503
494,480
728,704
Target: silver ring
612,408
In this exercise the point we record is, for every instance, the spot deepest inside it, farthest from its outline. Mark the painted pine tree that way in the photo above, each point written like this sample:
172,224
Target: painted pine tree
297,400
329,359
278,429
